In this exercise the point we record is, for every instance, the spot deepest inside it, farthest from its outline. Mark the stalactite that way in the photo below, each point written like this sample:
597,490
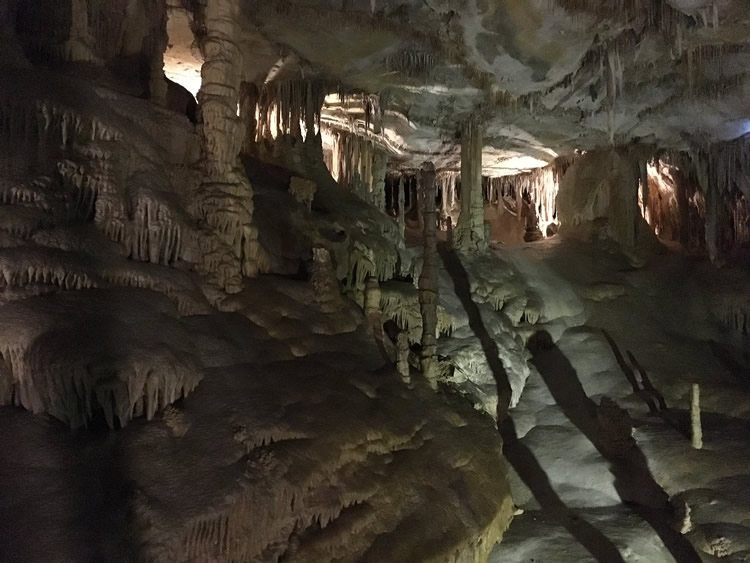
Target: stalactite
248,115
654,14
284,107
412,62
449,210
428,288
540,185
708,188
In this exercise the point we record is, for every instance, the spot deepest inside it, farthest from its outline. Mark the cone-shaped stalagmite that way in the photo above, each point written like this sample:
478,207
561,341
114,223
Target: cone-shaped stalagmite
470,233
428,292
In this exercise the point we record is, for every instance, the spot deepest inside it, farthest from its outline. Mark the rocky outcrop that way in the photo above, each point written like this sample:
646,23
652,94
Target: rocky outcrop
599,198
179,100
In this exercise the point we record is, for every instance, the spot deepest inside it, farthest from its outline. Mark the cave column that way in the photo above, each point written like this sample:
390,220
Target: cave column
428,289
470,234
226,194
157,47
379,164
683,209
248,103
712,197
402,208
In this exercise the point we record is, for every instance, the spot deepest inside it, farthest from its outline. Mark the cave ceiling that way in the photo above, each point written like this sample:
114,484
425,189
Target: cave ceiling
545,77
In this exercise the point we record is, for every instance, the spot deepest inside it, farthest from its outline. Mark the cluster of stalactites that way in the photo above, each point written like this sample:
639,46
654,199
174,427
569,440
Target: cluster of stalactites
447,182
654,14
357,163
706,71
414,61
290,107
538,188
700,198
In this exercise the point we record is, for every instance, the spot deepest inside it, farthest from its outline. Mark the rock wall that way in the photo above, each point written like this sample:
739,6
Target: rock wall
121,41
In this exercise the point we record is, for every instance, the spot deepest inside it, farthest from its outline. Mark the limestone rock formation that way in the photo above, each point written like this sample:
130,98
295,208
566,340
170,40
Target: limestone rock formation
599,198
229,230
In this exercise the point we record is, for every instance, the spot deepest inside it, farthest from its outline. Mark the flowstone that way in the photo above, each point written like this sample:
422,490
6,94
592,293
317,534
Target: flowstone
78,355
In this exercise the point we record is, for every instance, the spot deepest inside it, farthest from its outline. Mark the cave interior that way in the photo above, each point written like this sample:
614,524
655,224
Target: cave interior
375,280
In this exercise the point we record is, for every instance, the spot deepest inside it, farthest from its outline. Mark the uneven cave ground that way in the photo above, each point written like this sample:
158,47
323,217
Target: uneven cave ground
319,281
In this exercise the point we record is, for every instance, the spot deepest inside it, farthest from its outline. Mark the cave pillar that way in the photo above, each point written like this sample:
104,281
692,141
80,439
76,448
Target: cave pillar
712,197
248,104
379,164
402,357
470,232
427,286
158,45
226,193
402,208
79,43
683,208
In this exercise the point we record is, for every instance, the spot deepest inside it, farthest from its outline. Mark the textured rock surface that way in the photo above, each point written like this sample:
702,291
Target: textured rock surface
599,197
335,463
553,75
256,423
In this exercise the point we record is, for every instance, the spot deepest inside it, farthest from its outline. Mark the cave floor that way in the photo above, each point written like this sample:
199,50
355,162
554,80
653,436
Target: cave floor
648,336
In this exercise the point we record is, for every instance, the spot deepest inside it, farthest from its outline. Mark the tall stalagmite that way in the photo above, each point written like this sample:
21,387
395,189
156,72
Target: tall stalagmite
428,290
226,200
470,233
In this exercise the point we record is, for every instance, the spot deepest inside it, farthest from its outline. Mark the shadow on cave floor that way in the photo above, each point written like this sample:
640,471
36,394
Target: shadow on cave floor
518,455
679,419
633,481
643,389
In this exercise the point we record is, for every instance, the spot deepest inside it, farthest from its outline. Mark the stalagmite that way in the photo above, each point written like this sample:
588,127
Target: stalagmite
324,281
302,190
374,315
428,290
696,431
402,359
470,232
